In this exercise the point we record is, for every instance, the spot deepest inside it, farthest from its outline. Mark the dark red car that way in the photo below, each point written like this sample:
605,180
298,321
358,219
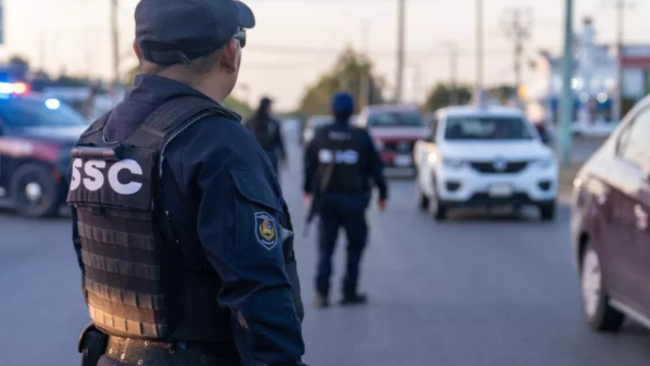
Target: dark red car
610,228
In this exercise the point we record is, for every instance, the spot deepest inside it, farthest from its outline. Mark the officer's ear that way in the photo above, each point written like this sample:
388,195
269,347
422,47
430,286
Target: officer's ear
229,56
136,49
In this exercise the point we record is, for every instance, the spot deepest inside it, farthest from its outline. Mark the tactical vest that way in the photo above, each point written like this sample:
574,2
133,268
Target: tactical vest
343,148
136,282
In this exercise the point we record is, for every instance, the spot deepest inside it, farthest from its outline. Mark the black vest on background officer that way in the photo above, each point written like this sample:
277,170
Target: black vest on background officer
267,131
341,163
183,237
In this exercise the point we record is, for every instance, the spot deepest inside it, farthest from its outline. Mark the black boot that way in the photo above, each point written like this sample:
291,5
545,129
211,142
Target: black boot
355,299
321,301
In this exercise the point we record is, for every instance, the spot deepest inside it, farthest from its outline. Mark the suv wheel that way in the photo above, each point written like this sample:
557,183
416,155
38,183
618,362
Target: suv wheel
35,192
437,209
598,312
547,211
421,197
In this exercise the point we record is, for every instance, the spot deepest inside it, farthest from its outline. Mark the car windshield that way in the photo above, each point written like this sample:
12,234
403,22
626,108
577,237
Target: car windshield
487,128
395,119
27,112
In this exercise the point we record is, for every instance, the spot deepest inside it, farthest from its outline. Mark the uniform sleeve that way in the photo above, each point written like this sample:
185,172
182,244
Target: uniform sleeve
239,228
310,165
377,168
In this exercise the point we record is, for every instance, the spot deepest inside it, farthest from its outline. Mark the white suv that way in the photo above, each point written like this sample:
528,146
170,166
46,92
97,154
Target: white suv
484,156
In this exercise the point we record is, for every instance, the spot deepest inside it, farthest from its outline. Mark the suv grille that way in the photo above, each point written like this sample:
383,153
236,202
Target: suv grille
491,167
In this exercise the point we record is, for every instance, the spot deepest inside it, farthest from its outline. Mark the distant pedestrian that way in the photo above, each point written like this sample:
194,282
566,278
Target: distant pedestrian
268,133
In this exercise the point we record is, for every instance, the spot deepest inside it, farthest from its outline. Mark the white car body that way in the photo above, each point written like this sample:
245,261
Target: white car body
455,173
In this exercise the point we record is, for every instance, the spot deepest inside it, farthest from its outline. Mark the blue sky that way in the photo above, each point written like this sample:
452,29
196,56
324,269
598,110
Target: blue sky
297,39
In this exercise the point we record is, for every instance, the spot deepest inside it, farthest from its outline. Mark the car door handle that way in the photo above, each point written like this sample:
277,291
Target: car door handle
641,217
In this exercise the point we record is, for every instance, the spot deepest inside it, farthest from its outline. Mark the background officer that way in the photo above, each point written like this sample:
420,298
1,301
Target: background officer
268,133
340,163
181,232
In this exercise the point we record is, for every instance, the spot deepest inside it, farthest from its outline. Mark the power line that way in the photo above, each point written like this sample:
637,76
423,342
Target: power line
282,49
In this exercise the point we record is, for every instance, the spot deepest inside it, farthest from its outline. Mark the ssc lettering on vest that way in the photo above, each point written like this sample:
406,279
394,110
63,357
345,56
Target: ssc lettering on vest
94,179
349,157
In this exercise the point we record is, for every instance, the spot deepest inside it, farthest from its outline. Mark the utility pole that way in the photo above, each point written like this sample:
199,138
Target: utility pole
115,50
478,88
566,103
617,106
517,26
399,83
417,82
365,74
453,71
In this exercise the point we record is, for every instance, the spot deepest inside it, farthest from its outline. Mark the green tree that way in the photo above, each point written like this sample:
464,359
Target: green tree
238,106
441,96
20,66
352,72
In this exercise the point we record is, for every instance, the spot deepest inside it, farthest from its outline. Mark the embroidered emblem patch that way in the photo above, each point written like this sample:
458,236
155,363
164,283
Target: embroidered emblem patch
265,230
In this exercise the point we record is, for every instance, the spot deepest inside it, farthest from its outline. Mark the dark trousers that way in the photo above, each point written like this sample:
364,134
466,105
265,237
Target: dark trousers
331,219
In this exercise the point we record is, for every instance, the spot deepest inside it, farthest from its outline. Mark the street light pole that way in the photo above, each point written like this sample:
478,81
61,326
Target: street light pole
566,104
399,83
478,89
115,49
617,106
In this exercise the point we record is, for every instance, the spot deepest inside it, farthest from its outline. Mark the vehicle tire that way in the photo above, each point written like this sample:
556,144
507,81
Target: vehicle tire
441,212
34,191
437,209
422,199
547,212
598,312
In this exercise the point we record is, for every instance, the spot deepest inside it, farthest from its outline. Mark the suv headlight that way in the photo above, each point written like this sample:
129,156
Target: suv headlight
544,163
453,163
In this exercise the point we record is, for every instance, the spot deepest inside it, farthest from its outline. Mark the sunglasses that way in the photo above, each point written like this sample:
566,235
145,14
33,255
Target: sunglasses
241,37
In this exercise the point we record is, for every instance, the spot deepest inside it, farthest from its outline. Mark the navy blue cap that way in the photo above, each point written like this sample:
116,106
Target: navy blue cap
343,104
173,31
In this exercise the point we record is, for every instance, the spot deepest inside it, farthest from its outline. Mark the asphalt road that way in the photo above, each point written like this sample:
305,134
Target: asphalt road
479,290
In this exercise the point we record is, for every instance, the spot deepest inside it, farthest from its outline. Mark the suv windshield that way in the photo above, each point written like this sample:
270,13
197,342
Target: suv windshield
395,119
26,112
487,128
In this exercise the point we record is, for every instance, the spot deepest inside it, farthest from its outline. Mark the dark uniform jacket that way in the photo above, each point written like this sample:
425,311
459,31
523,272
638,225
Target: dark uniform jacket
199,194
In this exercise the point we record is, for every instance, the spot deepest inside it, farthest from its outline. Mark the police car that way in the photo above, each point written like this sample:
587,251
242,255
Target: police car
36,137
484,156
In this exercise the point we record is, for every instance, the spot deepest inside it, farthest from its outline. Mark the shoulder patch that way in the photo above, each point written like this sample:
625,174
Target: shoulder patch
266,230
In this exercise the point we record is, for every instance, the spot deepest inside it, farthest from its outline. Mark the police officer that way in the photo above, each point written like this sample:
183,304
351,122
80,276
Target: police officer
267,132
340,163
179,225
